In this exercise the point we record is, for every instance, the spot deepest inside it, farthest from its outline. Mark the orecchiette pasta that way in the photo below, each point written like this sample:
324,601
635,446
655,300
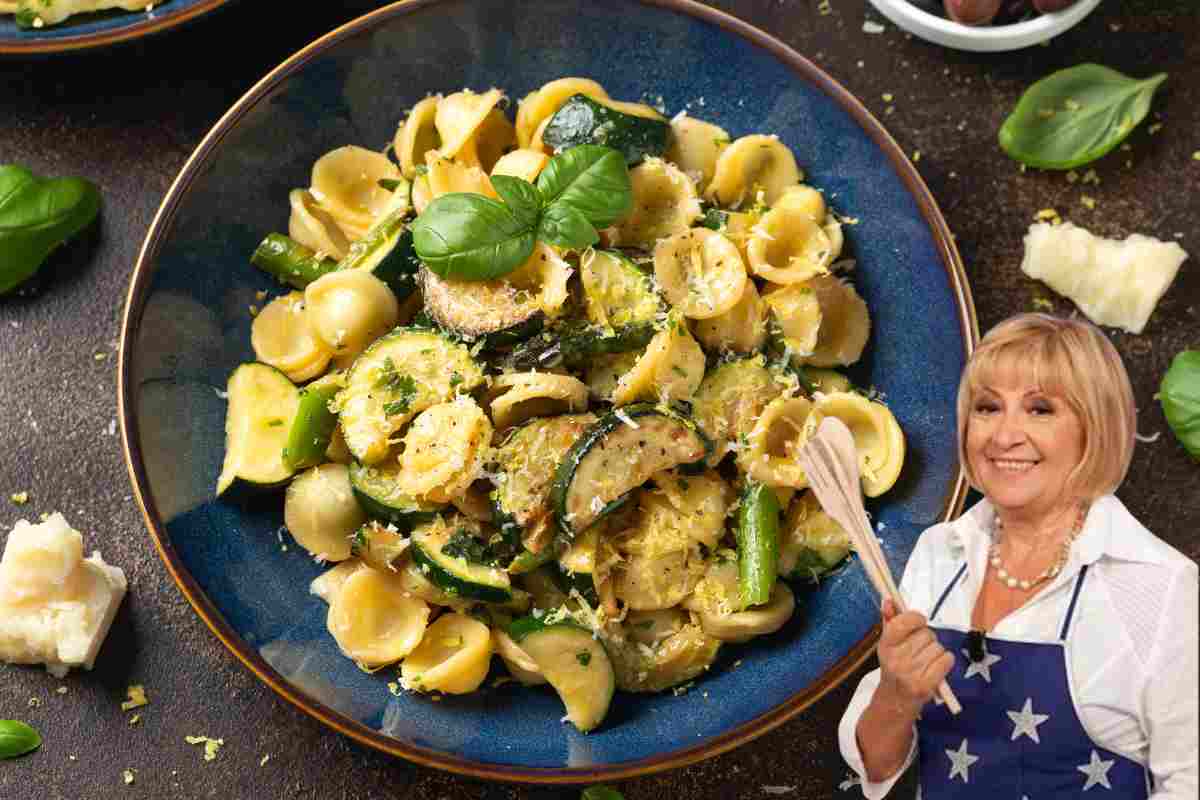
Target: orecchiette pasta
660,564
417,136
806,526
769,455
453,657
349,309
544,276
488,143
519,664
741,626
422,195
374,621
741,329
539,106
730,400
519,396
700,272
329,582
604,373
321,513
695,146
460,115
282,338
754,170
845,323
524,164
702,500
664,203
446,176
788,247
345,182
444,449
804,199
798,315
313,227
878,440
670,369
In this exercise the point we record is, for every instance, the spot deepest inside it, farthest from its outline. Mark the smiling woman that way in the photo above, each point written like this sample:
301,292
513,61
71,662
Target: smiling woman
1106,669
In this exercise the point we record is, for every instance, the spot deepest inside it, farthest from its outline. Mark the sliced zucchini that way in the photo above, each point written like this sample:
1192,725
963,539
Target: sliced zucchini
379,545
496,311
616,293
573,662
731,397
678,658
262,405
377,489
582,120
320,512
387,252
811,543
312,429
291,262
542,586
576,345
450,556
618,453
396,378
577,565
528,459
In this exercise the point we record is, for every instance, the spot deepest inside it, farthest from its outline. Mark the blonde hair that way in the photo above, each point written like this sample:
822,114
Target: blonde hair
1074,360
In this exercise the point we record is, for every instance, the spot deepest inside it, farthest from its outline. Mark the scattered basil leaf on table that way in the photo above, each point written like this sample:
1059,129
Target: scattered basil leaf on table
17,739
591,178
1179,394
471,237
36,216
1076,115
601,793
466,236
565,226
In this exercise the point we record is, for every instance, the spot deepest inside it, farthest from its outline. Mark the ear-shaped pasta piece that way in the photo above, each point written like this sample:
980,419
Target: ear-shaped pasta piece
827,381
282,338
730,400
878,439
804,199
489,141
444,450
788,247
702,499
837,240
446,176
741,329
460,115
604,372
670,369
695,146
345,182
313,227
539,106
700,272
742,626
718,592
544,275
519,664
807,531
453,656
374,621
417,136
651,627
349,309
798,315
750,165
739,227
660,565
664,203
845,323
522,395
422,195
524,164
769,455
329,583
321,512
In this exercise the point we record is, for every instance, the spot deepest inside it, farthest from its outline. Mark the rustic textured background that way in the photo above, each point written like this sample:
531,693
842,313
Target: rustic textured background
128,119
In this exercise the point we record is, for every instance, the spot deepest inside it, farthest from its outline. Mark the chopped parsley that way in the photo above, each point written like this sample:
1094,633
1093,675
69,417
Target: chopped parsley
274,423
455,379
397,382
465,546
584,657
359,542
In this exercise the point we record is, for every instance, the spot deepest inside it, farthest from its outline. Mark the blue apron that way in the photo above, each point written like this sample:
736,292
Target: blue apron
1018,736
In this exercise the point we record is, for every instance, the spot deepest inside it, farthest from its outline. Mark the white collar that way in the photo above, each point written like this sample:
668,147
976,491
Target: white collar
1109,530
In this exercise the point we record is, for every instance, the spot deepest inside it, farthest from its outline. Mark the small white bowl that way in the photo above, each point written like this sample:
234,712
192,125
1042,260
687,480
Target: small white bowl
982,38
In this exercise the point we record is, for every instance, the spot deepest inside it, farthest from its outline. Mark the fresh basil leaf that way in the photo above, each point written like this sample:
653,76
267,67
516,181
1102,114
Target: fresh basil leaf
522,198
390,184
601,793
17,739
591,178
1075,116
36,216
471,237
565,226
1179,394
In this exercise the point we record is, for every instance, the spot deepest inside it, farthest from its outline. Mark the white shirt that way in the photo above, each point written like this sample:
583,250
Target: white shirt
1133,643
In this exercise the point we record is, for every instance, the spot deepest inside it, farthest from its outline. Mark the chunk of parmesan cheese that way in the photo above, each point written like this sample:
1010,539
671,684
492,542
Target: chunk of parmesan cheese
1114,282
55,606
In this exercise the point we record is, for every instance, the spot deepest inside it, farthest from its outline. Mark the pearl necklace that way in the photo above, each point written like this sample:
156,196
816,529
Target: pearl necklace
1064,550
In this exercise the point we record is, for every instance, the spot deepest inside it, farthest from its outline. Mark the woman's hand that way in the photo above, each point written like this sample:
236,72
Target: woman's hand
912,662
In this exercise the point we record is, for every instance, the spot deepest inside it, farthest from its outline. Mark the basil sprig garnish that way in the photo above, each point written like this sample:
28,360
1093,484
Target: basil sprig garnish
1179,394
36,216
1075,116
17,739
471,237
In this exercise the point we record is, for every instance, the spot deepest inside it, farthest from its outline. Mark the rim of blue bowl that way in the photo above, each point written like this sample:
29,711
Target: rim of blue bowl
735,737
140,24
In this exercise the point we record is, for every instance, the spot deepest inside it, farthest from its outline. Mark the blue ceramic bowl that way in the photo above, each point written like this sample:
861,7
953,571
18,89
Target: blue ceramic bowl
99,29
187,327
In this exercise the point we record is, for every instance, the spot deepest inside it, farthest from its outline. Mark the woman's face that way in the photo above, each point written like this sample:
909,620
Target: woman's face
1022,444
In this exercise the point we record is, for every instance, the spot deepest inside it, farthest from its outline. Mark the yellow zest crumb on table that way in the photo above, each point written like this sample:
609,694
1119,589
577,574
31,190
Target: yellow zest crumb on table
35,702
1091,177
136,693
1088,201
916,156
1048,215
1196,156
100,356
888,97
1072,176
263,761
211,746
128,776
61,690
1155,128
135,719
253,311
19,498
824,8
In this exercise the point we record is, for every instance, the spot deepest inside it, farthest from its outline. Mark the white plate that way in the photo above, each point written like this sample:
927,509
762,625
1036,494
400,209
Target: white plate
984,38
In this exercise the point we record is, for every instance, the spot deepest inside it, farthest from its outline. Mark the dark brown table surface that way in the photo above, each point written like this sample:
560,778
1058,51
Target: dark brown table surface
128,118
